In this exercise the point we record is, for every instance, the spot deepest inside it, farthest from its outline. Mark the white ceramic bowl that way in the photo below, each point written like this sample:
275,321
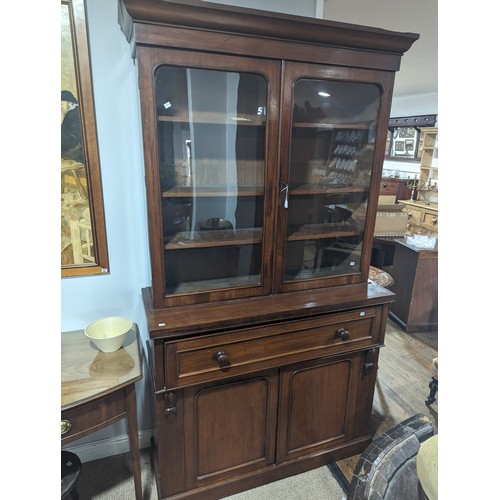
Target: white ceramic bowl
108,333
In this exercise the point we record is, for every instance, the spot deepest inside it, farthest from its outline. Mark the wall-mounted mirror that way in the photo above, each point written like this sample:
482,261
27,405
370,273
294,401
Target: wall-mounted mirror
403,137
83,233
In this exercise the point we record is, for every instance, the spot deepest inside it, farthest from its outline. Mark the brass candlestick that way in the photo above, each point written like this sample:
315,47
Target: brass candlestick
413,186
425,188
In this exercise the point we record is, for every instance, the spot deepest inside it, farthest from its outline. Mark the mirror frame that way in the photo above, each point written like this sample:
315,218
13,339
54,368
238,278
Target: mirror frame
396,125
85,98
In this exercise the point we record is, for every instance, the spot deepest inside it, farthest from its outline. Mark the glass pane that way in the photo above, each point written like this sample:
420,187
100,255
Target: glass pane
333,136
211,133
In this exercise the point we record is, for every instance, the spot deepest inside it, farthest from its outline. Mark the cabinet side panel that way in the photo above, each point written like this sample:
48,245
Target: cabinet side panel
364,396
424,310
170,448
403,272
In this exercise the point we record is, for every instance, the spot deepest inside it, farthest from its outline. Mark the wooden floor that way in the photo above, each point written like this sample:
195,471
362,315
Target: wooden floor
404,373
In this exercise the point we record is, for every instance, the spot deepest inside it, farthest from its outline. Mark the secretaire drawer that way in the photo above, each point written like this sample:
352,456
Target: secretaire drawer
242,351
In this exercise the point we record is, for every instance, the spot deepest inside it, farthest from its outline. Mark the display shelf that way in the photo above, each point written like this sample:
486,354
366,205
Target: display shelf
215,191
429,151
217,238
215,284
214,119
333,126
322,231
278,312
325,188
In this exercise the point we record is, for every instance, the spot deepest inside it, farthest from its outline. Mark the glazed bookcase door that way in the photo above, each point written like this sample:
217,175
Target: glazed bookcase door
210,174
326,188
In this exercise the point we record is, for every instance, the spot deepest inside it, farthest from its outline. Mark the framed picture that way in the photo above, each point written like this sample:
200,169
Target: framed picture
403,136
83,234
399,147
407,132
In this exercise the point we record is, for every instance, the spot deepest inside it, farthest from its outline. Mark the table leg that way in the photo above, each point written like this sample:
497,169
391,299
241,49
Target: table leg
134,438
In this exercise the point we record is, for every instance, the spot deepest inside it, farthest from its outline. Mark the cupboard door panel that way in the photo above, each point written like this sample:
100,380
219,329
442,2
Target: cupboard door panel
230,428
317,405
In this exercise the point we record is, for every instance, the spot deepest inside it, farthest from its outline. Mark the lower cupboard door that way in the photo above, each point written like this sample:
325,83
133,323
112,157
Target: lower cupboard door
318,405
230,428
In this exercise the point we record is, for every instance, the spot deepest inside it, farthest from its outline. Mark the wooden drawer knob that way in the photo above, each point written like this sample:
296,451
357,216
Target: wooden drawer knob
65,426
222,359
342,333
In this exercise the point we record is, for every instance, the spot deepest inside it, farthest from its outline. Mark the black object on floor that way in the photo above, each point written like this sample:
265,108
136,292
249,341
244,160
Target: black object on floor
70,471
433,386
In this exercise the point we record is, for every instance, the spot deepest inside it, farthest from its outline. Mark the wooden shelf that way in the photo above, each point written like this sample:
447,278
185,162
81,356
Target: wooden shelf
216,191
216,238
308,189
322,231
214,119
215,284
332,126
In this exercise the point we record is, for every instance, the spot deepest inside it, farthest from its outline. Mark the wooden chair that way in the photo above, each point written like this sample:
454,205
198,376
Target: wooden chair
81,239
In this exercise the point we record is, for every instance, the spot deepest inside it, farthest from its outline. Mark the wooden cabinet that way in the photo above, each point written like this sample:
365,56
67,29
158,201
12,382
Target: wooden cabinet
264,139
429,159
415,273
422,217
239,407
390,186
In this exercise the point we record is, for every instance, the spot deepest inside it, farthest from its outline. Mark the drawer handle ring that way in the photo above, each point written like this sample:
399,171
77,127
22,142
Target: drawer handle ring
65,426
343,333
222,359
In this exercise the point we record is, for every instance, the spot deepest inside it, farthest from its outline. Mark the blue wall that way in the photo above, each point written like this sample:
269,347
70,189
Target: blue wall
84,299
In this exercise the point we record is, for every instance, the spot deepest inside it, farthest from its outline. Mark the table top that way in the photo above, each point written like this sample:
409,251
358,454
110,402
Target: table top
88,373
381,277
406,242
420,204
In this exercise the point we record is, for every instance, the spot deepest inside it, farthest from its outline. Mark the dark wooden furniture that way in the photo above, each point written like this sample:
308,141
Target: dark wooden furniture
415,273
98,389
383,251
392,186
264,139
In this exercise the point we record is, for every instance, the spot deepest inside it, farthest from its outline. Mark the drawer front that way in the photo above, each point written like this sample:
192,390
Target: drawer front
413,215
388,187
89,417
243,351
431,219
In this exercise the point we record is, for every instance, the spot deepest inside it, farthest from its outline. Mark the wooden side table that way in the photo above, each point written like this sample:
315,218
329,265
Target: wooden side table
98,389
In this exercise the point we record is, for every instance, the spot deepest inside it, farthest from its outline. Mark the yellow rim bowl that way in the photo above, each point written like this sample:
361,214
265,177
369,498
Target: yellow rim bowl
108,333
